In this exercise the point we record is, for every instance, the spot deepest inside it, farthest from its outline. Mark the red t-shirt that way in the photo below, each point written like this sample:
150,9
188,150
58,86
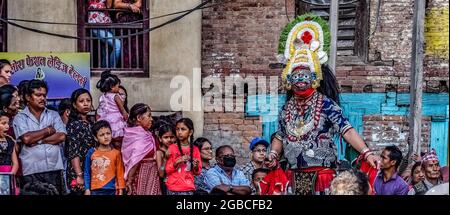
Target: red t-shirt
180,179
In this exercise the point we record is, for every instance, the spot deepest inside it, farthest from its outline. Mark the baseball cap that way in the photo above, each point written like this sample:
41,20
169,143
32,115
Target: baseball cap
256,141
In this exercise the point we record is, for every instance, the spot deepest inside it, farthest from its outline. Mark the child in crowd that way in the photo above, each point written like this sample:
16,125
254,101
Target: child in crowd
138,150
124,95
167,137
183,160
9,162
257,176
111,106
103,169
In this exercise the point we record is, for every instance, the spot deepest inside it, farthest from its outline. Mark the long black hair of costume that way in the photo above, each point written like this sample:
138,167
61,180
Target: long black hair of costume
328,85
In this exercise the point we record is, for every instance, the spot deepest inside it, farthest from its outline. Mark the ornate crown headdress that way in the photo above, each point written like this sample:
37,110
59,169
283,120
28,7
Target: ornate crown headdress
304,42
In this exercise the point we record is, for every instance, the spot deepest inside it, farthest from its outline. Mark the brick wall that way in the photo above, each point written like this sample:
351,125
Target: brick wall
381,131
241,37
232,129
389,63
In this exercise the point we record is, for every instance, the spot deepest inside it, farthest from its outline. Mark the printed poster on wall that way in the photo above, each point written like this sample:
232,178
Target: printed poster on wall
63,72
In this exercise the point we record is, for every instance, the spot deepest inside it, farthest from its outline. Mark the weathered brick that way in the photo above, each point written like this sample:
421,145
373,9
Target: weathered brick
383,130
230,115
226,121
248,122
228,127
210,121
211,127
247,128
238,121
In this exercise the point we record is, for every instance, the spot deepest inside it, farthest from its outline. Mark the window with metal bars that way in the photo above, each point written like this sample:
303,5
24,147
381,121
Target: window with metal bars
353,28
123,55
3,26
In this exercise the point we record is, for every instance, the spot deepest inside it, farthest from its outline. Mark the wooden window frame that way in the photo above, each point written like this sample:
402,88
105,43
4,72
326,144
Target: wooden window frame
82,45
4,26
361,43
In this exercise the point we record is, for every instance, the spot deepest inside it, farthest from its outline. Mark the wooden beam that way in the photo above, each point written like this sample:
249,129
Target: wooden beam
415,117
334,11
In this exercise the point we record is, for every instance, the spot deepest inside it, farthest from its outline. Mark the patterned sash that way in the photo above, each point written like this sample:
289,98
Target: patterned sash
311,180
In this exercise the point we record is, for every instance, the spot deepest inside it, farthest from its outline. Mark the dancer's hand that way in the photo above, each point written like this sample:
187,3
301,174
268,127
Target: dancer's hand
271,162
374,161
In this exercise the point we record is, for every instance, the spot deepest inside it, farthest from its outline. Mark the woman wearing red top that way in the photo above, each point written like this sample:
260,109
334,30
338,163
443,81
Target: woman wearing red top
184,160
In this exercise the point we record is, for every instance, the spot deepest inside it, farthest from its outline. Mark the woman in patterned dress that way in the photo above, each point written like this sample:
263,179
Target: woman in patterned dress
79,139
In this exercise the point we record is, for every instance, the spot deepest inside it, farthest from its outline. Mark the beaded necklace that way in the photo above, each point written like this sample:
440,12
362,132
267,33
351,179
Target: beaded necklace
303,115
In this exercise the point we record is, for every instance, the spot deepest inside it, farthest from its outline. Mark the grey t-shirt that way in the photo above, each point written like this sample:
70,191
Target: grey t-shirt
42,157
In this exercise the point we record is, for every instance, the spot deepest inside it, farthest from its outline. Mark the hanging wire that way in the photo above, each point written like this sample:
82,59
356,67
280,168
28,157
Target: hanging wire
122,23
115,37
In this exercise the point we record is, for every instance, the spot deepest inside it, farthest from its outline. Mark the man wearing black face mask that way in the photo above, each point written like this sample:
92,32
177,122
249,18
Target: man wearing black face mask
224,178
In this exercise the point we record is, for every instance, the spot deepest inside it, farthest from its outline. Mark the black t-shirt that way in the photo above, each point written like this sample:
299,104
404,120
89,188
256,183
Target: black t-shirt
6,150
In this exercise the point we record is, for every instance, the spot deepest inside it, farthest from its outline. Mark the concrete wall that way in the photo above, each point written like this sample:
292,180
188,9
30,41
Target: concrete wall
20,40
175,49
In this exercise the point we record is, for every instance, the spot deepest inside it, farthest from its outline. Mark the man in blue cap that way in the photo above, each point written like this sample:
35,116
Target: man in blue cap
258,152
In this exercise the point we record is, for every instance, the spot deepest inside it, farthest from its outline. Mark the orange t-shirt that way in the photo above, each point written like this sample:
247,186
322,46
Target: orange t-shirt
104,166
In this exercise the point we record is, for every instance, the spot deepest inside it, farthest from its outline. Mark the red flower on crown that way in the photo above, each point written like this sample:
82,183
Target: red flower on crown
306,37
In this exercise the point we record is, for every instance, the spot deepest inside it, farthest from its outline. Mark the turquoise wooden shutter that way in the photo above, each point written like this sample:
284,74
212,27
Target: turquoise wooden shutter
439,138
354,107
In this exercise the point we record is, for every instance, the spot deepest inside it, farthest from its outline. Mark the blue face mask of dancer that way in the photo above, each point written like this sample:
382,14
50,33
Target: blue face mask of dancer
301,79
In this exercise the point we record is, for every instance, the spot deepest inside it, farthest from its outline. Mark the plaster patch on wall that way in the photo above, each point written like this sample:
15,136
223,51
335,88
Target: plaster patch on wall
436,32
